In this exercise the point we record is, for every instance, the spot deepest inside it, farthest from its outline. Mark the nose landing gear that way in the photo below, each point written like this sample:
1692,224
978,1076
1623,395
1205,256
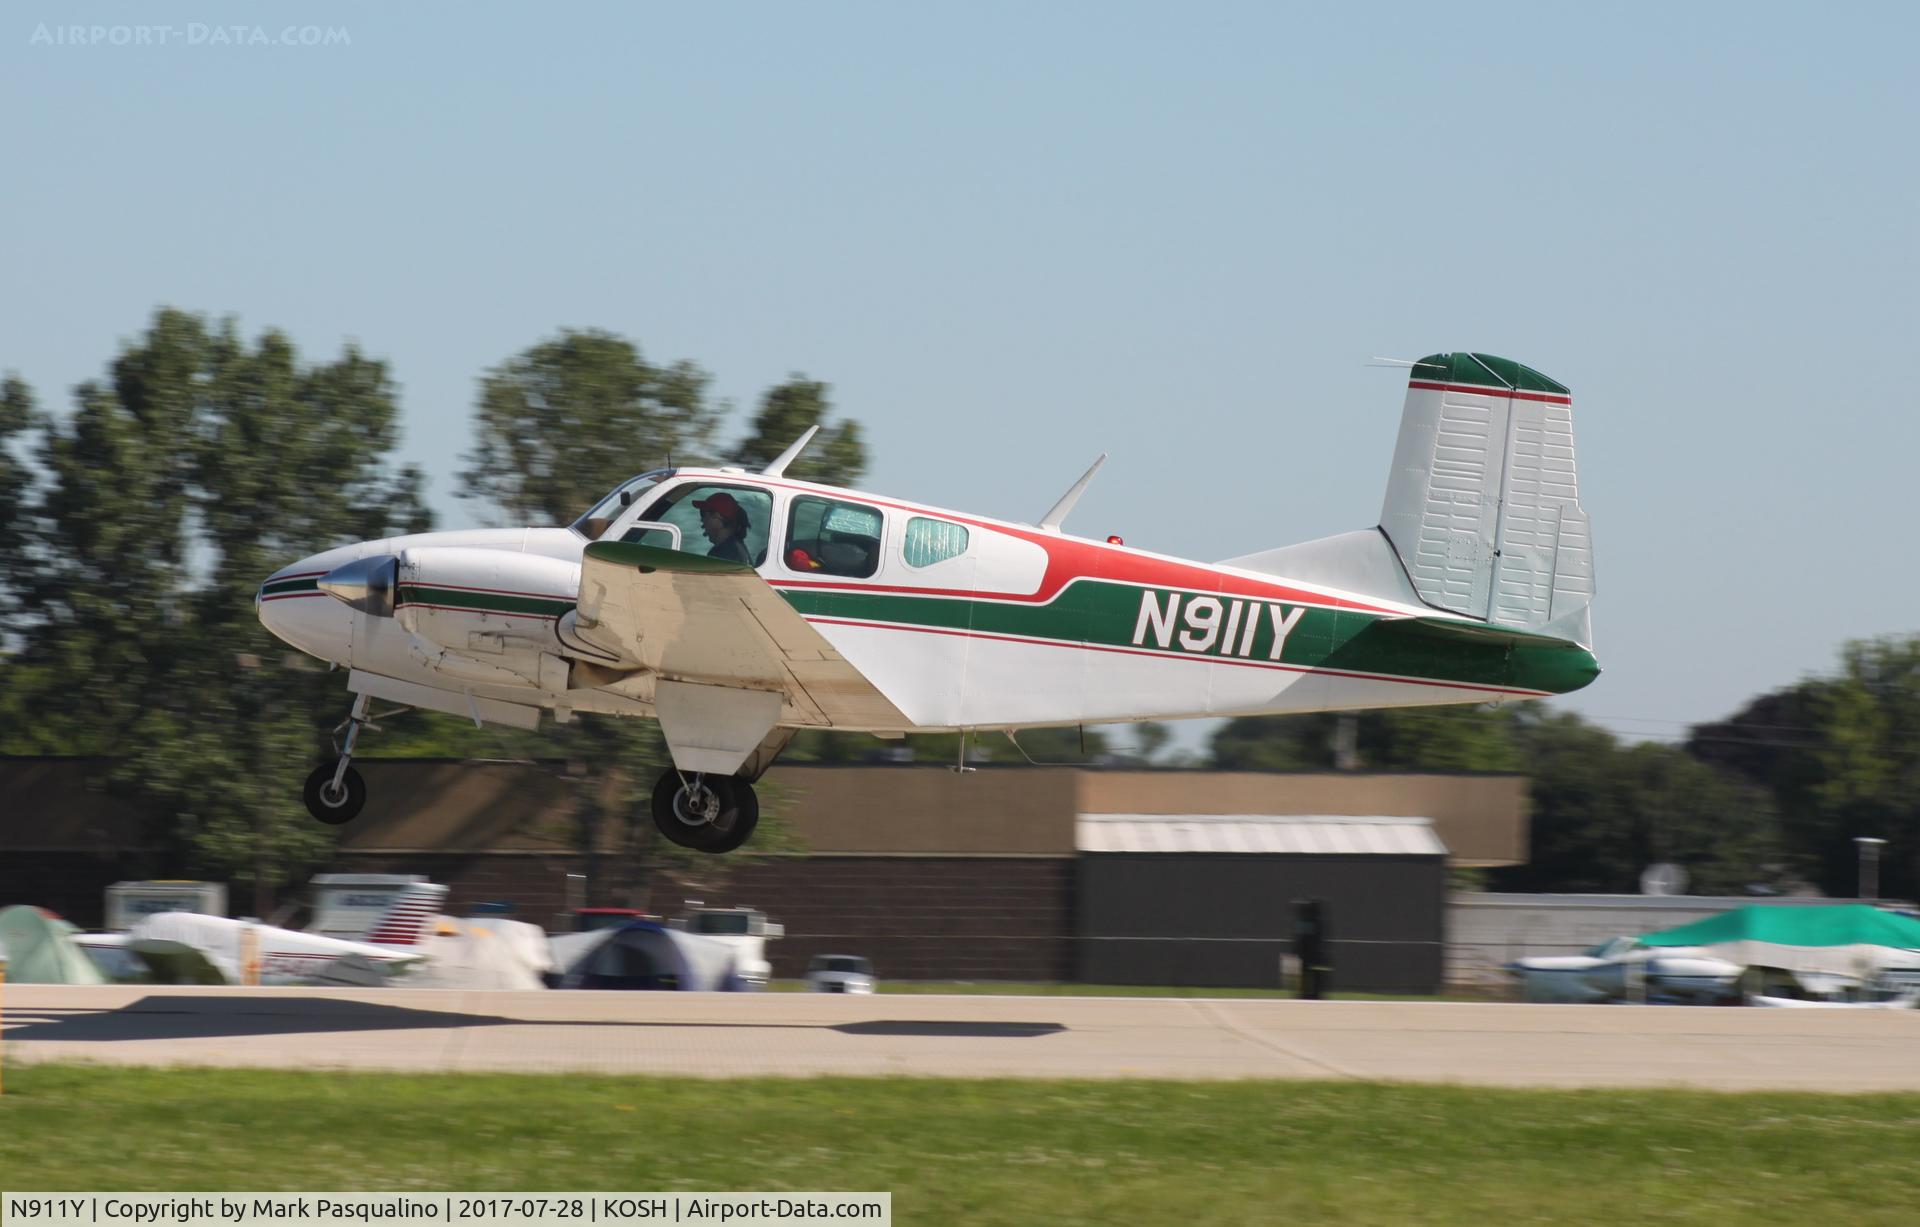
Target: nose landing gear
708,813
335,792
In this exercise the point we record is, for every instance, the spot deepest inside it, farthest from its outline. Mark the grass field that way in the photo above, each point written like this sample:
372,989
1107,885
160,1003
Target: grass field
989,1152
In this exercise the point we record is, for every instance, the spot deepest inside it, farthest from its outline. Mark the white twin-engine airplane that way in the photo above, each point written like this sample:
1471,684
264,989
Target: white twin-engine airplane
737,608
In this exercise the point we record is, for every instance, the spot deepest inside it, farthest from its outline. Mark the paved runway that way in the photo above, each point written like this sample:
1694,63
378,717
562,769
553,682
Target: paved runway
734,1035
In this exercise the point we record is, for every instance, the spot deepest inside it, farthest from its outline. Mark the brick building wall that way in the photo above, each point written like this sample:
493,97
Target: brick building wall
959,918
917,918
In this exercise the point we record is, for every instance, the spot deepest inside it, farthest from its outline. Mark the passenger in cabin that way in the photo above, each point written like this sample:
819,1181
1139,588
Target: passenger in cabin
725,522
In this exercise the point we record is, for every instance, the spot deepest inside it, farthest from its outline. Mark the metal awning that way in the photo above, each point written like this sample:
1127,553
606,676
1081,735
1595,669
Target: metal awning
1253,834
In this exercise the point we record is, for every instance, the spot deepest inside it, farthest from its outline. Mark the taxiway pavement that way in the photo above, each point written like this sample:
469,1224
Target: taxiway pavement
800,1034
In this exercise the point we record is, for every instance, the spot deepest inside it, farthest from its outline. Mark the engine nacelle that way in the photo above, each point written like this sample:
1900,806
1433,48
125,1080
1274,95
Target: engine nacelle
481,615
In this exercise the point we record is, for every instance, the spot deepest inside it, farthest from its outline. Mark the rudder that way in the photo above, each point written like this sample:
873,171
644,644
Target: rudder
1482,505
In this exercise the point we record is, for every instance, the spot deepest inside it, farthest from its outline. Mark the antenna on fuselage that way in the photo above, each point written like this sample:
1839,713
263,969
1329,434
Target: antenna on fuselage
779,463
1052,520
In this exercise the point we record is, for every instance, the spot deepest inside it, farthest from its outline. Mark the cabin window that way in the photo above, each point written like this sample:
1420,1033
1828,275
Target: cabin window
931,541
720,521
829,537
602,514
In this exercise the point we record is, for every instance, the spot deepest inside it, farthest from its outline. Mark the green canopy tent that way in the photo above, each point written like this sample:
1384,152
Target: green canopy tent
1848,939
40,949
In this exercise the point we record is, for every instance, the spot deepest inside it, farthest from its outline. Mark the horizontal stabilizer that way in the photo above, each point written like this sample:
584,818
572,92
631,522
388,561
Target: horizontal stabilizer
1361,562
1528,660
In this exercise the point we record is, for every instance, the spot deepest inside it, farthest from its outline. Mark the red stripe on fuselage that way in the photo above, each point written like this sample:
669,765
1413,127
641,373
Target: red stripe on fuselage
1070,558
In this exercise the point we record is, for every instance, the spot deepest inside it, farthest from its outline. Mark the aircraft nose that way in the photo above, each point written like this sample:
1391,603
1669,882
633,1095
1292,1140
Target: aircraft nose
292,605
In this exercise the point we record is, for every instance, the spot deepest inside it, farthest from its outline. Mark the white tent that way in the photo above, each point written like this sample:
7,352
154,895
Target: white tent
490,953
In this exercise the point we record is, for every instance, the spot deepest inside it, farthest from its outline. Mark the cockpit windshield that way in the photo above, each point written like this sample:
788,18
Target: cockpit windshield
602,514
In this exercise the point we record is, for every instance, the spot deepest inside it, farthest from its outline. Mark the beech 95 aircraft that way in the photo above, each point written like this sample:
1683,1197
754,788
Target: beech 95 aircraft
736,608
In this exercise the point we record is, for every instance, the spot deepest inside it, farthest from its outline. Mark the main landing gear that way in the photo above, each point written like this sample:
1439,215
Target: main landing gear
708,813
335,792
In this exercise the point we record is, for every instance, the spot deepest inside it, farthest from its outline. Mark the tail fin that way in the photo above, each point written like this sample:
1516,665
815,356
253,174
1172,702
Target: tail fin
1482,516
405,920
1483,505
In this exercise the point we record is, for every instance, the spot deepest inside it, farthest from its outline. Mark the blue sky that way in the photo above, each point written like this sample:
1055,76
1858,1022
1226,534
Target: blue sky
1013,236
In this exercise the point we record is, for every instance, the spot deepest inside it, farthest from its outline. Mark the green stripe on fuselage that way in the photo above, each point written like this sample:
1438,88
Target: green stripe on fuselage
1104,614
483,602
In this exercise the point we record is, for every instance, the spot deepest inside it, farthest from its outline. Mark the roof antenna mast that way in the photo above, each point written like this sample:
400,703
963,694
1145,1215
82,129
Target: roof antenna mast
1052,520
779,463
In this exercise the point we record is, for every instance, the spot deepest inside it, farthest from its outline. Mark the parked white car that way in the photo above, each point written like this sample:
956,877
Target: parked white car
840,973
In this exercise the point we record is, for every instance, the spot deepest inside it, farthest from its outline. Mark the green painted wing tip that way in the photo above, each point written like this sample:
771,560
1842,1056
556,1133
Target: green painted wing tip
653,558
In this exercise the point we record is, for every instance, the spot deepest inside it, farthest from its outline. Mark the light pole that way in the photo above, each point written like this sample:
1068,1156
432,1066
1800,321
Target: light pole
1869,846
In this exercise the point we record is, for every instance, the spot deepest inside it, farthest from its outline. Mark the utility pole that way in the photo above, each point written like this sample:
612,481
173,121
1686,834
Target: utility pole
1869,846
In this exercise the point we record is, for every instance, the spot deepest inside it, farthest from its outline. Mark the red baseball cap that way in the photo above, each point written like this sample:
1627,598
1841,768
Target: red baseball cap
723,505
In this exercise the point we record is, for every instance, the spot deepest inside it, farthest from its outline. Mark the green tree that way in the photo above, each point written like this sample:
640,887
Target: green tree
1603,812
567,420
17,419
1393,739
177,483
836,457
558,426
1150,740
1840,756
1273,743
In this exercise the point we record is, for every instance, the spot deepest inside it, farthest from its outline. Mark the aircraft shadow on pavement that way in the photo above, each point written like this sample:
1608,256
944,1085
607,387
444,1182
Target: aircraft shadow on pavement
961,1028
209,1017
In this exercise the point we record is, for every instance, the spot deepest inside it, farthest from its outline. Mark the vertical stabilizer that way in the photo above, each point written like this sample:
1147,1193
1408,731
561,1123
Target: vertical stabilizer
1483,504
405,922
391,909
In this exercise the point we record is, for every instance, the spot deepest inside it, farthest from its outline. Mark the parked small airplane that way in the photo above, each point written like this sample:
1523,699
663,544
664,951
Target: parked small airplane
190,948
1619,969
737,608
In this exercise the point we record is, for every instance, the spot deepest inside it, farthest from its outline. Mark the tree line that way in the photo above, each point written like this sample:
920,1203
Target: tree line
136,527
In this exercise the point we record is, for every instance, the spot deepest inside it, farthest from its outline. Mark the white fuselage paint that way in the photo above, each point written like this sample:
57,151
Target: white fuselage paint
1195,654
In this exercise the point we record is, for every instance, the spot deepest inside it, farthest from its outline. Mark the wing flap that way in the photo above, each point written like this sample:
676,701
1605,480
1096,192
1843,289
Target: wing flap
707,621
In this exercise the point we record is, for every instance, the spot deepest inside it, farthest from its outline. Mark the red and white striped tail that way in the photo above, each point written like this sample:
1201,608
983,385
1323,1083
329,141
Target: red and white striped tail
405,921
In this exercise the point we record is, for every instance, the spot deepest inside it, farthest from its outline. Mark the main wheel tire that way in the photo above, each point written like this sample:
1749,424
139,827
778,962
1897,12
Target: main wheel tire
746,816
718,819
335,809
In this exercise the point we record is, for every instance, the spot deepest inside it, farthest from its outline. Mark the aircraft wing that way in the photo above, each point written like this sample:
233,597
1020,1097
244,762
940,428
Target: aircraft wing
176,962
707,625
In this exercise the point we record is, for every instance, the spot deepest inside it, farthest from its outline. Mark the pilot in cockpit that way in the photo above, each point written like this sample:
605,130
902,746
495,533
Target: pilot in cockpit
725,522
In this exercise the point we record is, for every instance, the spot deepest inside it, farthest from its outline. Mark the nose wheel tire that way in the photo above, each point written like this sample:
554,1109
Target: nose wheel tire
335,806
715,814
